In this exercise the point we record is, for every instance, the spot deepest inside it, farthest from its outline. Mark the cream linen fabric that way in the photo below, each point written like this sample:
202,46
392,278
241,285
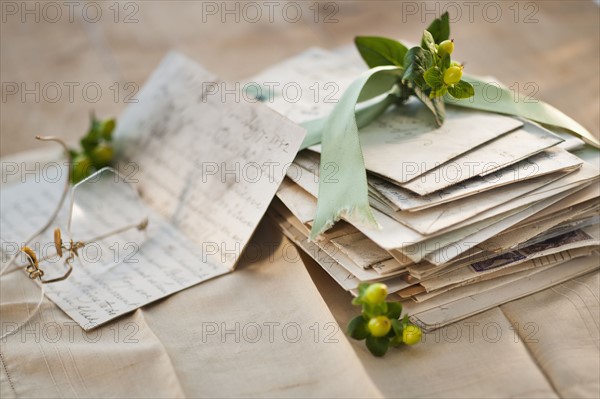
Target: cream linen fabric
566,345
176,347
543,346
173,353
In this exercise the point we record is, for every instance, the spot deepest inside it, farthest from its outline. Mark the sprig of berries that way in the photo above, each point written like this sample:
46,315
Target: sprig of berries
96,150
380,324
426,71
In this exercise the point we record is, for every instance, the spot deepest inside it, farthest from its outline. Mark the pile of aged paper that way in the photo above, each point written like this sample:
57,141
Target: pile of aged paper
483,210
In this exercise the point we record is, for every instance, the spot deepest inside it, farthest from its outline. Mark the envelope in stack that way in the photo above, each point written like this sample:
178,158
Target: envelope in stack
483,210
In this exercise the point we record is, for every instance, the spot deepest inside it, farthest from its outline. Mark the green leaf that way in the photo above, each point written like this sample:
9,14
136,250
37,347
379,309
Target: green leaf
461,89
391,333
405,321
439,92
397,327
374,310
445,61
416,62
394,310
434,78
428,43
382,308
362,287
396,341
89,142
357,301
377,51
357,328
440,28
107,127
435,105
378,346
94,124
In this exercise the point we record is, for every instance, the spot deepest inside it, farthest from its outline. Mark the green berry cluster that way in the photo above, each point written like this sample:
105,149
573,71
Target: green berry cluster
431,68
443,75
96,150
426,71
380,324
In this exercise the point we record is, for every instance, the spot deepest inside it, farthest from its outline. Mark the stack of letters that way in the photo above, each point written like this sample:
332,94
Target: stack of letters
483,210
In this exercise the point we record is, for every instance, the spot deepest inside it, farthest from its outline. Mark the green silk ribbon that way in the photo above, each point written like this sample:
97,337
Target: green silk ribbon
493,97
343,190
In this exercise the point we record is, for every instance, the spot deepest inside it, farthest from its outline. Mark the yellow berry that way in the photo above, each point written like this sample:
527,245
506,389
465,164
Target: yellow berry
82,167
411,335
376,293
379,326
453,75
102,155
446,47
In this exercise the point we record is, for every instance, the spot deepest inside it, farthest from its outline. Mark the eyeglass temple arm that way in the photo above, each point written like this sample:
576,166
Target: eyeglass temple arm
58,206
67,182
139,226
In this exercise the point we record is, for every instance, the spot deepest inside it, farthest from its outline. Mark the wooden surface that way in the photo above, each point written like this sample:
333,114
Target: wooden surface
550,48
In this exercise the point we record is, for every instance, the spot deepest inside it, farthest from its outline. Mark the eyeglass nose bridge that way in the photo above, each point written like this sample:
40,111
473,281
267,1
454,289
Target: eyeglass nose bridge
60,278
73,249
